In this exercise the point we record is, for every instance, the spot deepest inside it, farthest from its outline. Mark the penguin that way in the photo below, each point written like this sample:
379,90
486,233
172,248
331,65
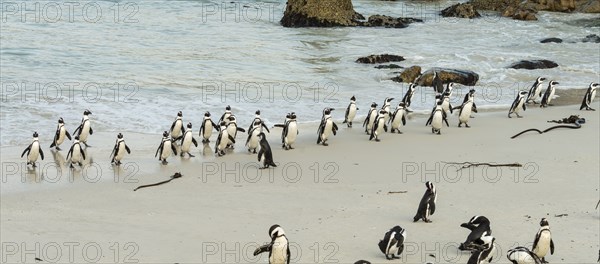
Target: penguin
232,129
368,123
350,112
449,88
223,140
407,99
166,148
517,104
265,155
398,118
261,123
76,153
379,125
543,241
61,133
446,106
386,108
119,150
466,108
589,97
484,252
186,141
427,204
522,255
279,250
84,129
437,118
253,140
326,127
177,129
437,84
549,94
392,243
225,116
33,151
207,127
479,226
536,90
290,132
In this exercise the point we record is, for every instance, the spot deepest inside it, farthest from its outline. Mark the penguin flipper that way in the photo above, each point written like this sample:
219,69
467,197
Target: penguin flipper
551,247
431,205
195,142
78,130
114,151
159,149
288,255
231,139
173,148
26,150
215,126
41,153
535,242
173,125
82,152
67,134
127,148
264,248
468,226
429,120
70,151
260,153
240,129
404,120
91,130
265,126
524,107
279,125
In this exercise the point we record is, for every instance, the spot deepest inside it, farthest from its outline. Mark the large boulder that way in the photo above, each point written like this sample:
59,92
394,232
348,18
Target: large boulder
408,75
520,13
494,5
533,64
383,58
463,77
389,22
554,5
462,10
587,6
319,13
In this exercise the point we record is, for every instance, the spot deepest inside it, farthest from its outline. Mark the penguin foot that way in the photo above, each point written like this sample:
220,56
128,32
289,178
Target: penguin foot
325,144
71,166
518,116
164,162
377,140
459,124
191,155
57,148
427,221
467,125
544,260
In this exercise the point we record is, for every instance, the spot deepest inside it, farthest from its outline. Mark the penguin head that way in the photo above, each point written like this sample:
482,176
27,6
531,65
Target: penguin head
389,99
449,86
276,231
207,114
257,122
293,115
472,91
87,112
327,111
76,139
552,83
523,93
120,136
61,121
401,105
479,219
189,125
353,99
228,108
544,222
231,118
594,85
540,79
411,86
179,114
35,134
438,102
373,105
222,124
257,112
430,186
165,134
382,112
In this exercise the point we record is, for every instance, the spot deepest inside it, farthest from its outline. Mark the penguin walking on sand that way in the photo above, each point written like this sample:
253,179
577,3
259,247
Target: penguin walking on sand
290,132
379,125
166,148
370,119
522,255
427,204
84,129
407,99
261,123
326,128
388,111
186,141
253,140
207,127
279,250
466,109
479,226
119,150
223,140
225,116
265,155
33,151
350,112
549,94
536,90
484,252
177,129
517,104
392,243
589,97
76,153
233,129
398,118
437,118
61,133
543,241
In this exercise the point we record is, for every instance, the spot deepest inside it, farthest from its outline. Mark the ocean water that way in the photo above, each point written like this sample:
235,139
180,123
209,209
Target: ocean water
135,64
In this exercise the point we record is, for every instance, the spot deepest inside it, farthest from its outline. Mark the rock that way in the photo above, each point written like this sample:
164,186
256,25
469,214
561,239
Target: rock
587,6
389,22
463,77
318,13
554,5
493,5
408,75
519,13
383,58
389,66
464,10
551,40
533,64
591,38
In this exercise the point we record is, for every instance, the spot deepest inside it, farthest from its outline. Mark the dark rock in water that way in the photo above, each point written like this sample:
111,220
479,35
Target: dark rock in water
389,22
463,77
389,66
520,13
408,75
494,5
591,38
383,58
462,10
533,64
554,5
318,13
584,22
551,40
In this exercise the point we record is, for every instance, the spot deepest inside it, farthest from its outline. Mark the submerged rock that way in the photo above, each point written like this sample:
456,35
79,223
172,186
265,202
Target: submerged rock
383,58
462,10
464,77
591,38
389,22
533,64
389,66
551,40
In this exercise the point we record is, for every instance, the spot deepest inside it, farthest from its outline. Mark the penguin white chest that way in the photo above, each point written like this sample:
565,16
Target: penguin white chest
177,129
465,112
436,123
592,96
292,132
397,121
552,91
232,130
166,150
352,112
371,120
543,246
253,142
76,154
327,129
85,131
62,133
279,251
34,152
519,106
224,140
446,104
379,125
121,152
187,141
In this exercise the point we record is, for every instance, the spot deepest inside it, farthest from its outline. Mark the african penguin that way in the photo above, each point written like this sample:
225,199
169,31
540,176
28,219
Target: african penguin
543,241
479,226
446,106
326,128
386,108
407,99
232,129
392,243
427,204
85,128
522,255
536,90
166,148
589,97
119,150
186,141
437,118
449,88
290,132
484,251
549,94
225,116
207,128
517,104
265,155
261,123
379,125
223,140
350,112
33,151
279,251
370,119
398,118
76,153
253,139
177,128
61,133
466,108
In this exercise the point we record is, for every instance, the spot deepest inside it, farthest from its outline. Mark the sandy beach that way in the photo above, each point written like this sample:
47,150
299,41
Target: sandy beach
333,202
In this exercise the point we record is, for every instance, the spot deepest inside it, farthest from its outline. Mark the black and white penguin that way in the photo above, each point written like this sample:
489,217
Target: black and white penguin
232,129
119,150
437,119
265,155
223,140
536,90
517,104
449,89
438,85
379,125
466,108
279,250
549,94
225,116
407,99
446,106
61,133
484,251
479,226
261,122
166,148
33,151
386,107
350,112
427,204
393,242
85,128
177,129
543,241
290,132
589,97
522,255
398,118
207,127
370,119
76,153
186,141
326,128
253,140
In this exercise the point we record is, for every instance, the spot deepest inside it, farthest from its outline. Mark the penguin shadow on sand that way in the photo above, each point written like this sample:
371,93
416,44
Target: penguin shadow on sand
59,159
207,150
